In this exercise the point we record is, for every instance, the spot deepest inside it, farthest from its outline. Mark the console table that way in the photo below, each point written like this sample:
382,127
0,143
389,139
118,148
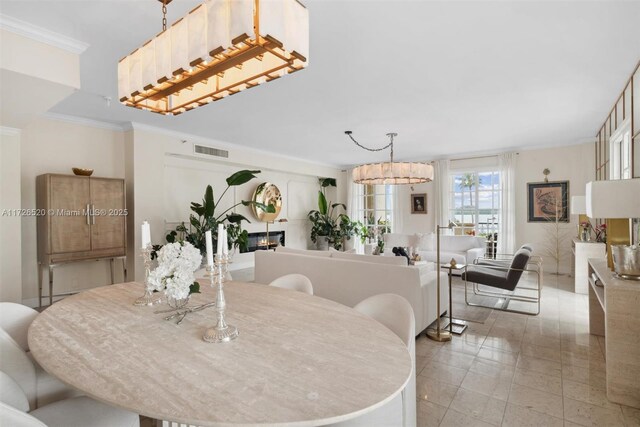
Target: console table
614,314
582,252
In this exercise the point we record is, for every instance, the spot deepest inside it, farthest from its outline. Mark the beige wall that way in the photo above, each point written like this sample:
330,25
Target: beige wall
52,146
165,176
27,56
575,163
416,223
146,158
10,259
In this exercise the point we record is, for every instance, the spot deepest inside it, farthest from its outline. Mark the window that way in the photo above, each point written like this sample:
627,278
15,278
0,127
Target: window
475,202
620,153
376,211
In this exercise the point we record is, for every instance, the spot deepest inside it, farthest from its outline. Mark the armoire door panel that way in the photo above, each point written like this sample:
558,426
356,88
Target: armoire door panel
69,220
108,214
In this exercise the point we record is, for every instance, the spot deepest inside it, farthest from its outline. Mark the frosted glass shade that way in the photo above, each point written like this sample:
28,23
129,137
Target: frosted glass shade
220,48
613,199
393,173
578,205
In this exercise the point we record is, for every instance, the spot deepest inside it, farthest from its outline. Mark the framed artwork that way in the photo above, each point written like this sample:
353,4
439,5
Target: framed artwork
419,203
545,200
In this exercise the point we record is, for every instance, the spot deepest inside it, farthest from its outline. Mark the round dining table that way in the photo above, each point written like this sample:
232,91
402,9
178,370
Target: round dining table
299,360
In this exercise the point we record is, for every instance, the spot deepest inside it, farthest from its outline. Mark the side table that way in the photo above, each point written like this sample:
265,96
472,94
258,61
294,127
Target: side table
456,326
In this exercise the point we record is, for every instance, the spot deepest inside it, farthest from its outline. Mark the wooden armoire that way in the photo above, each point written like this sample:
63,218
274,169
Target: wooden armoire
79,218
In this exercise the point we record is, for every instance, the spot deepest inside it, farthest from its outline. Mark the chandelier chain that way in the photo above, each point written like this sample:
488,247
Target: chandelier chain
389,145
164,15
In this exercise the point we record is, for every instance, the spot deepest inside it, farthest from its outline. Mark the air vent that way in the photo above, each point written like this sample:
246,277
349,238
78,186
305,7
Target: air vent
210,151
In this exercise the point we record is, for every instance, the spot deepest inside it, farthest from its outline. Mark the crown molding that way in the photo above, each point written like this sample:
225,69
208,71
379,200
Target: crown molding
7,131
182,136
84,121
42,35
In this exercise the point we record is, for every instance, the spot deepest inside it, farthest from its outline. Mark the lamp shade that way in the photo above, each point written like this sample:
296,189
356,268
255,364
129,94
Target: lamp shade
393,173
613,199
578,205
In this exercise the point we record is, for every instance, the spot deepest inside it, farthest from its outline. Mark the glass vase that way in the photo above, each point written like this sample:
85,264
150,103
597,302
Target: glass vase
585,236
178,303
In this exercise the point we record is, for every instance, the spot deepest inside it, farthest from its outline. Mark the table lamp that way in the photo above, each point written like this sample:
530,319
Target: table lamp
616,201
579,207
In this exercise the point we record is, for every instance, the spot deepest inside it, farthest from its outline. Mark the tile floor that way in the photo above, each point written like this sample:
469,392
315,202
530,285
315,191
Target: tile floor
519,370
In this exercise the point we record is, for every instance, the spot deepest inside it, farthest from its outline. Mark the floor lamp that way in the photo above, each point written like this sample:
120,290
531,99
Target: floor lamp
439,334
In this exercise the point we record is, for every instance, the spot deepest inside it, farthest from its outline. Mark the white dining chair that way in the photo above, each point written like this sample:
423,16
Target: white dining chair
295,282
15,319
39,387
78,411
394,312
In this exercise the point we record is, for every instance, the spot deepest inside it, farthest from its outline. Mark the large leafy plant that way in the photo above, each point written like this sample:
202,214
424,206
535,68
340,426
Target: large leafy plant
347,228
205,217
324,220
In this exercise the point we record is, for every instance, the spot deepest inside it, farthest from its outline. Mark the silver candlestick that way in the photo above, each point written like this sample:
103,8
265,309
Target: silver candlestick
148,298
221,332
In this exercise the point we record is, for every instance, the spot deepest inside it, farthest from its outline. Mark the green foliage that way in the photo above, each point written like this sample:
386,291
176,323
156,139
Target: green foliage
327,182
194,288
326,222
205,217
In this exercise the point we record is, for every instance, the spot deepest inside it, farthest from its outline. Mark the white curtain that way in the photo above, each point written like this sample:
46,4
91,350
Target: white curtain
396,225
355,205
442,189
507,230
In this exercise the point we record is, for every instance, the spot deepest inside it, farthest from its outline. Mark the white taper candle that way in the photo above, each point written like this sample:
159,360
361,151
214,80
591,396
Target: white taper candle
146,234
209,244
220,237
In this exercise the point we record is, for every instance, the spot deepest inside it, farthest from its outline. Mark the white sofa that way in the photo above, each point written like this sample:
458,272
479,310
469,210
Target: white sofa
464,249
351,280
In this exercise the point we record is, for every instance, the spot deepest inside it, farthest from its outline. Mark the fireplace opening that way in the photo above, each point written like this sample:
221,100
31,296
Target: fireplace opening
259,241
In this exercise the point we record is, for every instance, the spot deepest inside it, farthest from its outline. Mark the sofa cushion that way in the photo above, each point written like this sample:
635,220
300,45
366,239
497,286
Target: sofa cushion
348,251
287,250
487,276
398,239
519,263
445,256
375,259
460,243
425,242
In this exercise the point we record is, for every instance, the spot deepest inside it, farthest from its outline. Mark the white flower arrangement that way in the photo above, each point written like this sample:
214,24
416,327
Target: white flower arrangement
174,275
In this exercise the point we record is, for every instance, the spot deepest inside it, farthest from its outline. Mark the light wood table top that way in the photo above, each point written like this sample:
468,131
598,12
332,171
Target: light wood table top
299,360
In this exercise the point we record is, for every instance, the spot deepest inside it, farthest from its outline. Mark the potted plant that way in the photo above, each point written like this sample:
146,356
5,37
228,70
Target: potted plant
205,217
324,220
348,229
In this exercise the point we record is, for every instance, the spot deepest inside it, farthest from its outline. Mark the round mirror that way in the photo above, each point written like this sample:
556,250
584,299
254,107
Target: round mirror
267,194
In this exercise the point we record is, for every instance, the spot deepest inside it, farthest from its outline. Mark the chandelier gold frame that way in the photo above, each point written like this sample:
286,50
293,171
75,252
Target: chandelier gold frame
262,57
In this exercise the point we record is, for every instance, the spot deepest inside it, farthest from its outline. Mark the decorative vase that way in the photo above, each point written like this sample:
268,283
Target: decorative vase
585,236
178,303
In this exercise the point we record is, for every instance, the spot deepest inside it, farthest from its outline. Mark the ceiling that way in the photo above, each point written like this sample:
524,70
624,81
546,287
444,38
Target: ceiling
451,78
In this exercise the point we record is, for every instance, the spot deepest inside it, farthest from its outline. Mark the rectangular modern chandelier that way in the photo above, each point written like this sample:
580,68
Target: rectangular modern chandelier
219,49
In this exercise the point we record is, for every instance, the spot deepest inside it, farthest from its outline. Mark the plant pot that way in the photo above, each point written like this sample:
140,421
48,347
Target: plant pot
322,243
368,248
349,244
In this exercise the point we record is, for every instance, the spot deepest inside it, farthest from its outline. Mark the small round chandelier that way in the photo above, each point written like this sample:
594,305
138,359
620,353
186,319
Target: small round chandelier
390,172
